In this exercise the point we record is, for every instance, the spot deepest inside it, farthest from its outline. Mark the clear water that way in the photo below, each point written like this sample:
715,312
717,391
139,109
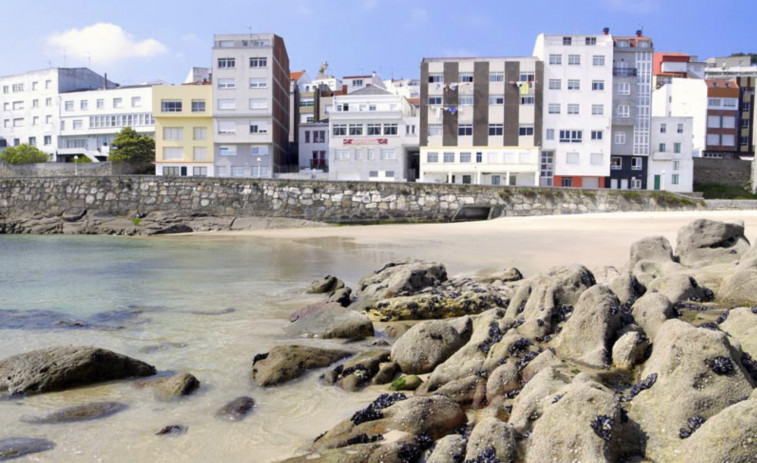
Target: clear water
177,293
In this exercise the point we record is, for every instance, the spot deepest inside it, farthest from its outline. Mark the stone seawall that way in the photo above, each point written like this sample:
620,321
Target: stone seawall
138,196
733,172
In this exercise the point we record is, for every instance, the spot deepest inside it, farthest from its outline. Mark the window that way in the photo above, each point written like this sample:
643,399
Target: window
258,103
83,105
78,124
526,77
259,62
661,148
574,60
18,87
227,127
434,101
171,171
597,85
624,88
567,41
466,101
136,101
714,101
5,89
527,100
597,109
663,128
676,147
237,171
373,174
728,140
258,127
567,182
388,154
435,78
307,136
173,133
227,150
48,140
226,84
356,129
390,129
449,157
554,108
466,78
319,136
118,102
198,106
48,119
636,163
573,109
496,100
598,60
465,129
550,134
572,158
48,102
166,106
199,133
555,84
597,159
341,155
620,138
555,59
496,129
526,130
19,122
729,122
357,82
496,180
713,121
744,123
33,141
675,179
624,110
744,141
713,139
434,130
68,105
496,77
591,40
101,104
227,103
343,107
574,84
596,134
432,157
226,63
261,150
199,171
339,130
173,153
676,165
616,163
258,82
571,136
465,157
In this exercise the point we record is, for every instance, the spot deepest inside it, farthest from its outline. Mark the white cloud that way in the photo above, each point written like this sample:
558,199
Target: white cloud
631,6
104,43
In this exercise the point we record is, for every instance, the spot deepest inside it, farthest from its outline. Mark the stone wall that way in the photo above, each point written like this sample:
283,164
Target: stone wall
733,172
130,196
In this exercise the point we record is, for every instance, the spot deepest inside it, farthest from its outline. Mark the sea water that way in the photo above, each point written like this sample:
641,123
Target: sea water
204,306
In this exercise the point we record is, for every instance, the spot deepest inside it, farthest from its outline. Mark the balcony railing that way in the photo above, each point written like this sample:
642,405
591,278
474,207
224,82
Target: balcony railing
319,164
624,72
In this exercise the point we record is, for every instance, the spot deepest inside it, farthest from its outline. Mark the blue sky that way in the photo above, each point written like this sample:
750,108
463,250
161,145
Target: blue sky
162,39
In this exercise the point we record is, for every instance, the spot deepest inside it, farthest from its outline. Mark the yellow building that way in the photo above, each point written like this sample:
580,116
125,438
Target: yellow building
183,130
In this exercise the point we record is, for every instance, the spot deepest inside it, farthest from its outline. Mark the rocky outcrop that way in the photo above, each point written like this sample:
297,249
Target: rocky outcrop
425,346
285,363
60,368
400,279
331,320
653,248
708,242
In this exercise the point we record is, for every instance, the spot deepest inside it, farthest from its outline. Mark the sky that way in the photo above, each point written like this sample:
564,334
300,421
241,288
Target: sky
143,41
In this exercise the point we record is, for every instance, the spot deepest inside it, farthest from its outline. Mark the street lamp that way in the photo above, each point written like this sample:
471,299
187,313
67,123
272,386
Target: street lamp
260,167
76,165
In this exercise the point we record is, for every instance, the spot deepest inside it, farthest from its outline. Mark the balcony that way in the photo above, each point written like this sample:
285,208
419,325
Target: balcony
320,164
624,72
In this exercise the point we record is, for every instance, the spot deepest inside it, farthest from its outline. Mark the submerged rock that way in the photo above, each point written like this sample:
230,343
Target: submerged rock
60,368
16,447
86,412
285,363
173,387
172,430
237,409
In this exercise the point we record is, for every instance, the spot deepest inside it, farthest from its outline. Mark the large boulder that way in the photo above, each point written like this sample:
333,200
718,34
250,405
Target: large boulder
60,368
740,286
358,371
503,380
493,439
588,334
680,288
537,394
425,346
706,241
629,350
741,324
652,248
401,279
627,288
331,321
647,270
698,373
285,363
541,300
651,311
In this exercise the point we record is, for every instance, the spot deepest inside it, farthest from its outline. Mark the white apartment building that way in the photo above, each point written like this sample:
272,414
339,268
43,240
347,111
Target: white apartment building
671,166
89,120
251,84
314,146
30,104
577,109
355,83
373,137
409,88
685,98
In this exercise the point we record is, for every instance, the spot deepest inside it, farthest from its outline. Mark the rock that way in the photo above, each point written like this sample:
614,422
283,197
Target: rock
493,438
15,447
463,325
172,430
172,229
629,350
536,395
627,288
342,296
465,391
448,449
327,284
401,278
395,330
503,380
604,274
331,321
583,425
651,311
285,363
353,454
406,383
174,386
86,412
539,300
727,436
73,215
652,248
357,372
59,368
740,287
680,288
647,270
425,346
507,275
544,360
385,374
237,409
698,372
588,334
707,242
741,324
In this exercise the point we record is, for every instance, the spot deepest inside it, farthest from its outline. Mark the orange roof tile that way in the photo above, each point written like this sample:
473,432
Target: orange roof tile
296,75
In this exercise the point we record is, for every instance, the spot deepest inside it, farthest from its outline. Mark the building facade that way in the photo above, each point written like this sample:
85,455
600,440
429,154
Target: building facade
685,98
745,74
183,130
722,116
667,66
314,146
251,88
671,165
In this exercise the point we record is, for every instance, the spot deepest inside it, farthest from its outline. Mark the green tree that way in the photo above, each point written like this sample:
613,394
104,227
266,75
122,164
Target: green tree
22,154
129,146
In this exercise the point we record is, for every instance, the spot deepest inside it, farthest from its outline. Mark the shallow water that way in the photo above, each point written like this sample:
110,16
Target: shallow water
168,302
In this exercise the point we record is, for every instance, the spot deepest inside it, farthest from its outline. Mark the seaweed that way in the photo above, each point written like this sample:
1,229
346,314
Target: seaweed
721,366
373,411
602,426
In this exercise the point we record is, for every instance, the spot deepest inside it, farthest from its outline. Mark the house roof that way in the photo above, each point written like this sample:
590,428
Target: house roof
722,83
296,75
357,77
414,101
371,90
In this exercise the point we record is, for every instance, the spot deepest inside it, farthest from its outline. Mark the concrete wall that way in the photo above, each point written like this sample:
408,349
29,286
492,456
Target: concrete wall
734,172
320,201
68,169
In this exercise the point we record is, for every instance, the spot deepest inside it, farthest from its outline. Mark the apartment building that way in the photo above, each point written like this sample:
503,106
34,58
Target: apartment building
184,129
355,83
251,88
30,104
667,66
314,146
683,97
89,120
480,120
722,116
671,166
577,110
373,137
744,72
631,110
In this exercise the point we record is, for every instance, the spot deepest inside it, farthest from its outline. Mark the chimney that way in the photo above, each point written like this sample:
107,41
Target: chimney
606,30
639,33
105,78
